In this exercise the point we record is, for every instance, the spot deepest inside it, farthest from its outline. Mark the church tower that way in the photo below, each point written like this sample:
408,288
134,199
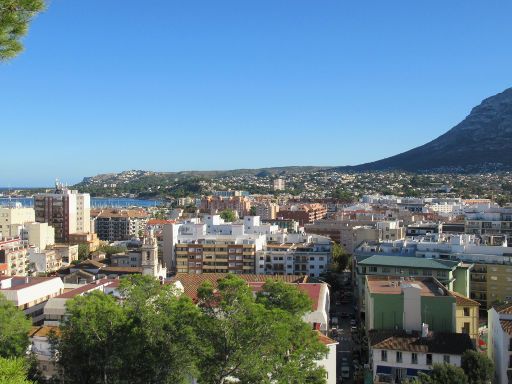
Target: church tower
149,258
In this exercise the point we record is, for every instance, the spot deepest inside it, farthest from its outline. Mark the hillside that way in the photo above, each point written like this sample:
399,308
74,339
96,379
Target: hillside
481,142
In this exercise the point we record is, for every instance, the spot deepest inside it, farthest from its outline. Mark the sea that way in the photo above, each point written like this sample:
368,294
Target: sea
96,202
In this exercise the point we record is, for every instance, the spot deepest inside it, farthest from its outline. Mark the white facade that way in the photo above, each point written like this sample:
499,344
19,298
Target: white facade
401,361
329,363
500,344
83,212
31,293
13,218
39,235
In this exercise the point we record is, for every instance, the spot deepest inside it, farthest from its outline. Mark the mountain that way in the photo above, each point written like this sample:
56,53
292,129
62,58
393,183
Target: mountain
481,142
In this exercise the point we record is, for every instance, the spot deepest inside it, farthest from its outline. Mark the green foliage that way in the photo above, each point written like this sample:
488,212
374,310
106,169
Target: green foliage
277,294
14,327
149,339
110,250
343,195
444,374
340,258
158,335
228,215
478,367
13,371
83,251
253,211
254,340
15,16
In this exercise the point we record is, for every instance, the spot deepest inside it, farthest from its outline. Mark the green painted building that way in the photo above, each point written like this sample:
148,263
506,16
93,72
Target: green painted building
398,303
453,275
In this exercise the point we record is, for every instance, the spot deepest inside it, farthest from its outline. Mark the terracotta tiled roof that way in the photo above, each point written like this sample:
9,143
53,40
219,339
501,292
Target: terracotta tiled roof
82,289
463,300
160,222
192,282
312,290
437,342
122,269
43,331
507,326
326,340
90,263
505,309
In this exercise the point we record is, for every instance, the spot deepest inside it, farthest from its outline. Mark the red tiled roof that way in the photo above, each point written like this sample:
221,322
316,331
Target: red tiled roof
311,289
507,326
192,282
19,282
160,222
3,267
82,289
505,309
436,342
325,340
463,300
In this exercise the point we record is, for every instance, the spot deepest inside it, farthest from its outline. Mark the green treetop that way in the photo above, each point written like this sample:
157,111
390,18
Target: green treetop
15,16
14,327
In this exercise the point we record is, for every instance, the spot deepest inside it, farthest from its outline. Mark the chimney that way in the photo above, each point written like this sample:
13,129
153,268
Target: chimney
424,330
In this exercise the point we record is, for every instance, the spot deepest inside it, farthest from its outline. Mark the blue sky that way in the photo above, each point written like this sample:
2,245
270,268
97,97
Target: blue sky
105,86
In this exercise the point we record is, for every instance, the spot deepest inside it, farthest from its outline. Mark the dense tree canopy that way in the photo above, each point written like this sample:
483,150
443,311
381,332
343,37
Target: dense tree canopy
444,374
478,367
254,341
156,335
228,215
145,340
279,295
13,371
340,258
14,327
15,16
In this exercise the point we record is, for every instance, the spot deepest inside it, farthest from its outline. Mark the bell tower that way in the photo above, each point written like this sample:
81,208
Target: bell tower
149,257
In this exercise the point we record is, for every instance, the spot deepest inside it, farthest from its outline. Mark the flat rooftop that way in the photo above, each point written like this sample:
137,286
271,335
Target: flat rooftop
392,285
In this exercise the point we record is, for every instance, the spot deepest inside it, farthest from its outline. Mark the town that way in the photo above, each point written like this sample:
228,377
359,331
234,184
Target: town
396,285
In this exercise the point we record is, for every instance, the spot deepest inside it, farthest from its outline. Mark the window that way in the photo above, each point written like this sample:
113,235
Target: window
427,272
429,359
398,357
373,269
466,311
446,359
386,270
384,355
414,358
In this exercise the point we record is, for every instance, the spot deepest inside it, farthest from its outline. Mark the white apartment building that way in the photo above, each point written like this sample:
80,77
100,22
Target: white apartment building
30,294
39,235
398,355
13,218
279,185
14,257
44,261
247,246
500,342
83,213
294,254
66,210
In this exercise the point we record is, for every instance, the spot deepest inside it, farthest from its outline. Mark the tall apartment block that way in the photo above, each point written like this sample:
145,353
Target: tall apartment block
13,218
119,224
279,185
64,209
